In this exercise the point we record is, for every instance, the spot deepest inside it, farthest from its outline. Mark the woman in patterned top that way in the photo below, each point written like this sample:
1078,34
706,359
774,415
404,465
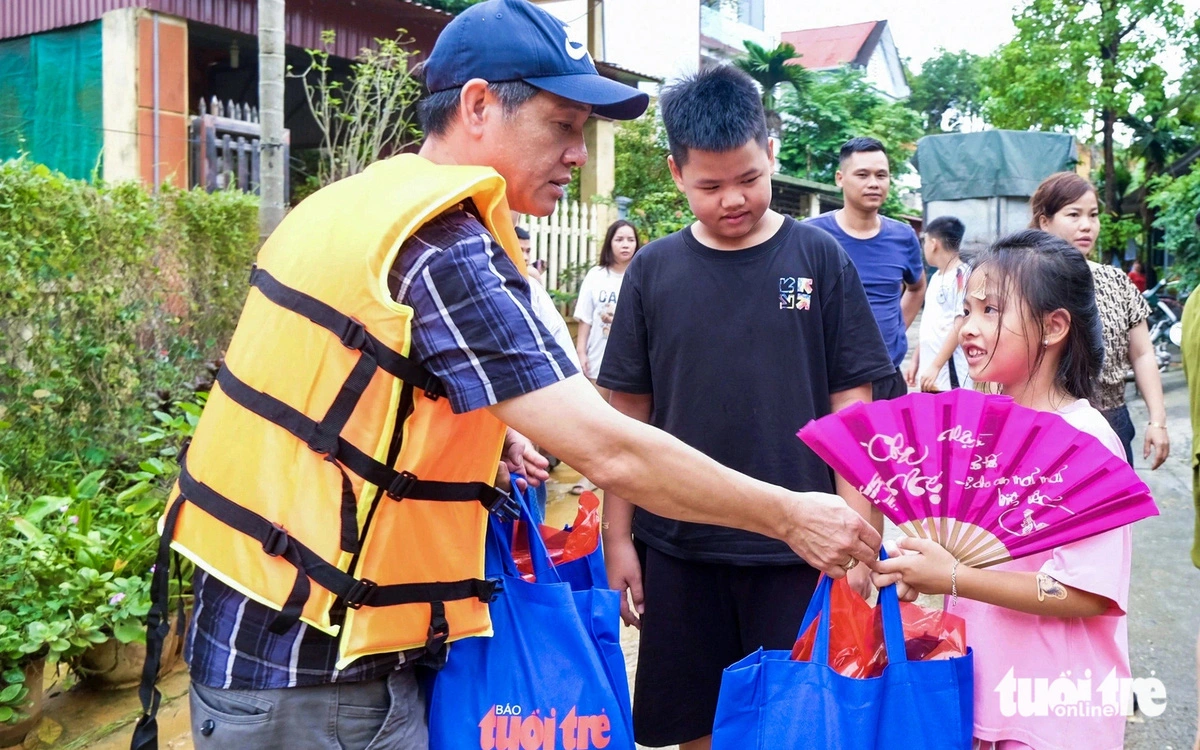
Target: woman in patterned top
1066,205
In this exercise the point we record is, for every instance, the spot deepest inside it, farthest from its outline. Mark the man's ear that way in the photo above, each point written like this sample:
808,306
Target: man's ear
837,178
474,102
1058,325
676,174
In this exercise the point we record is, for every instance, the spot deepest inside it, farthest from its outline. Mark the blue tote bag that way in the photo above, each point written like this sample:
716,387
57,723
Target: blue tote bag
769,701
551,676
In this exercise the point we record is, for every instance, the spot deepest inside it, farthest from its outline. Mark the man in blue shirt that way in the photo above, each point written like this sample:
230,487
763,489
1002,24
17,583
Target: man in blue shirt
886,252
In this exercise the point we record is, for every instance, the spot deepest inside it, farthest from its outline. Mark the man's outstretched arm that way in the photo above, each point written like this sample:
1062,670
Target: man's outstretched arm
660,473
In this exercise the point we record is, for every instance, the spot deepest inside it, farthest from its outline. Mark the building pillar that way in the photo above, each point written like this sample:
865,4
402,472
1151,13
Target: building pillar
119,61
598,175
162,106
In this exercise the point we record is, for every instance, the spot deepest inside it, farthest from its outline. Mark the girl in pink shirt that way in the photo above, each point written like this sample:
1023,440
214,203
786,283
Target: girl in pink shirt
1048,630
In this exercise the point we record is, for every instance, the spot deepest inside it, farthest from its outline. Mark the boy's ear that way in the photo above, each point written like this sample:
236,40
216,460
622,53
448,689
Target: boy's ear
1057,326
676,174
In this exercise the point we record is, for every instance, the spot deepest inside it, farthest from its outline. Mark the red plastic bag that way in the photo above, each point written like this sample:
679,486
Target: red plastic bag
856,647
574,542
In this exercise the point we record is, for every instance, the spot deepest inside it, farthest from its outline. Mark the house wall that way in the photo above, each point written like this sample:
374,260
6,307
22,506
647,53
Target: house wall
885,69
120,65
162,100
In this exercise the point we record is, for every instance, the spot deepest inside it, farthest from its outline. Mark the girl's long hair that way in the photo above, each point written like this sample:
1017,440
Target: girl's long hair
1047,273
607,258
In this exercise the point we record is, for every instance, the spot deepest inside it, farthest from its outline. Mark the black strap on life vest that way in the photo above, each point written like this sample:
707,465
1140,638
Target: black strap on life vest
398,485
348,330
322,437
353,592
275,540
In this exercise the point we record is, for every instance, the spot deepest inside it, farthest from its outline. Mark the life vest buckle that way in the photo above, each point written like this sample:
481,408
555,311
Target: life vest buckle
359,593
355,335
401,485
495,587
276,542
503,506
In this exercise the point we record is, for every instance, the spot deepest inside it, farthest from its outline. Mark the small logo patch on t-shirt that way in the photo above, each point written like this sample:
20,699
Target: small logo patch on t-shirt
795,293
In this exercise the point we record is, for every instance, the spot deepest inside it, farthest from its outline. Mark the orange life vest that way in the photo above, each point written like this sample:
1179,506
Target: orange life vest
328,478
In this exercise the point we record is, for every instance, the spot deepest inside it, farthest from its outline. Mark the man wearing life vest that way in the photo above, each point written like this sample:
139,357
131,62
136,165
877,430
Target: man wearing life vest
335,495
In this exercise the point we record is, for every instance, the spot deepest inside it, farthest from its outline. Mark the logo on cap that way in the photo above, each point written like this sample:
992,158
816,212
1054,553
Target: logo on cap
575,50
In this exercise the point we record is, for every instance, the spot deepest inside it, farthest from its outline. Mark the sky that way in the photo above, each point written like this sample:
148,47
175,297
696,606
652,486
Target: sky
919,27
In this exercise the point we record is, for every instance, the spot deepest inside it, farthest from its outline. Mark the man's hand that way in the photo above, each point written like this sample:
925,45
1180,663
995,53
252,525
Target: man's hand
625,577
827,533
520,457
910,372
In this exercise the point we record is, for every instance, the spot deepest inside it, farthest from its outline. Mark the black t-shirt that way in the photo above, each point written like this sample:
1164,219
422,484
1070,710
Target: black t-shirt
739,350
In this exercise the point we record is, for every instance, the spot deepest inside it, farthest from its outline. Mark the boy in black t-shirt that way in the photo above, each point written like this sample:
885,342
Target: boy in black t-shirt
731,335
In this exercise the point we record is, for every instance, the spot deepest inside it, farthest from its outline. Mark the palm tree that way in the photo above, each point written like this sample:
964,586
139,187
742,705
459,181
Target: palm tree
770,69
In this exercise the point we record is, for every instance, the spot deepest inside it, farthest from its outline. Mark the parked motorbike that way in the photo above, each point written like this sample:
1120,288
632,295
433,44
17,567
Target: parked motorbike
1165,312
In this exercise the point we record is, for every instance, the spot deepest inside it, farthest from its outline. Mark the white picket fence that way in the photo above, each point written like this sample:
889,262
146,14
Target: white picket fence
568,238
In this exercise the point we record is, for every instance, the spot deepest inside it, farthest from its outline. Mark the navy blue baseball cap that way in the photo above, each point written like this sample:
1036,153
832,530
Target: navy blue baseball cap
514,40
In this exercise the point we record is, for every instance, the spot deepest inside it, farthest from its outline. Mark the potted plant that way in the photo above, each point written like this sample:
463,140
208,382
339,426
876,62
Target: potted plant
41,622
110,540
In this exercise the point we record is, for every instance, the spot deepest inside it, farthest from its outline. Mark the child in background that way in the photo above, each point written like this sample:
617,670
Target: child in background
1031,326
938,364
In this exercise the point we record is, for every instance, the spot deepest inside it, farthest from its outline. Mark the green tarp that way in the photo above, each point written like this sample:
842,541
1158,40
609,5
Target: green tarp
955,166
51,99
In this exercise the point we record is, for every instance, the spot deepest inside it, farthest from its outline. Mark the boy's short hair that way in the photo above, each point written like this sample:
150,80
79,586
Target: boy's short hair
861,144
522,234
949,231
718,109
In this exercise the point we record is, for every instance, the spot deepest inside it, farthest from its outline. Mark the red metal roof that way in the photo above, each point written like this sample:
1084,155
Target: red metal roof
356,23
832,46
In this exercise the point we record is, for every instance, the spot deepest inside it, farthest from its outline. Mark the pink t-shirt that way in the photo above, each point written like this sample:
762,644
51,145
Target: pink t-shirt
1019,657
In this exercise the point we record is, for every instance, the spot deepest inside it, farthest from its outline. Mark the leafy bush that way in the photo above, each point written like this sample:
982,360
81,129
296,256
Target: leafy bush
1177,201
112,302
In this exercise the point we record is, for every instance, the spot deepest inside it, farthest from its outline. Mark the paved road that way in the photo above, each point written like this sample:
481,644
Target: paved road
1164,612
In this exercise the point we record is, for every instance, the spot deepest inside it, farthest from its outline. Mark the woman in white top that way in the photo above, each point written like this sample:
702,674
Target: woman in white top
598,296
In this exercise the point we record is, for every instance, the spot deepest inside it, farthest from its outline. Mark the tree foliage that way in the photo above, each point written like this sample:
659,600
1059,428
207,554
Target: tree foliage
642,175
451,6
1177,202
369,116
1076,63
835,108
770,69
947,92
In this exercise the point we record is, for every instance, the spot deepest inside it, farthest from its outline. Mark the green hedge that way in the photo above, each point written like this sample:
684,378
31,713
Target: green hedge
113,302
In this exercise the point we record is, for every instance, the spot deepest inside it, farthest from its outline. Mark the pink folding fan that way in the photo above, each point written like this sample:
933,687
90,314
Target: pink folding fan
987,479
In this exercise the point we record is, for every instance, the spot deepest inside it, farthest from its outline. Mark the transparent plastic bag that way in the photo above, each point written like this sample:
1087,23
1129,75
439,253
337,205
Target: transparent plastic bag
856,647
